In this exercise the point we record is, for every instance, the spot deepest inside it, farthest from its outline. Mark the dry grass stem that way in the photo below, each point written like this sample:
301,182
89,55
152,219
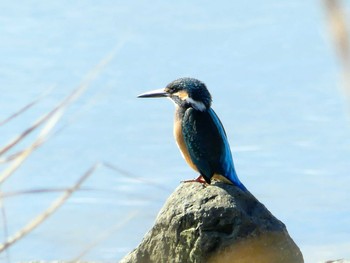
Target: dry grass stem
5,228
25,108
50,117
340,34
49,211
92,75
135,177
48,122
24,154
36,191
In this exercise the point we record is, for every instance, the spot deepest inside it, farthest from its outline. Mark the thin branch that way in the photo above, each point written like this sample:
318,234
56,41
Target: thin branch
72,119
51,117
48,212
41,138
5,225
38,191
92,75
25,108
135,177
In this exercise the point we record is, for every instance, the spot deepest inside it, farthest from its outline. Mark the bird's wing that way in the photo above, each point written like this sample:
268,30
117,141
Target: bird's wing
206,142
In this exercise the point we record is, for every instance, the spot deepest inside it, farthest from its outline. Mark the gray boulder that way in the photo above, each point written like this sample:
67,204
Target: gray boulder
215,223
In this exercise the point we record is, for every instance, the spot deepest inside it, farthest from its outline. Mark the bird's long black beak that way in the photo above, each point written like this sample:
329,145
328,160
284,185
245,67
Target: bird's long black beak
158,93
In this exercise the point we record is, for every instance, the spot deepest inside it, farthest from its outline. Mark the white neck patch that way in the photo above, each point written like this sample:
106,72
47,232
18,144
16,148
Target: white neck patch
198,105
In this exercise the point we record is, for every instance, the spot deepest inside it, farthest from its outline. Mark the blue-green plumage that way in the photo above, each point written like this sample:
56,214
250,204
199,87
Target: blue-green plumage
198,131
207,145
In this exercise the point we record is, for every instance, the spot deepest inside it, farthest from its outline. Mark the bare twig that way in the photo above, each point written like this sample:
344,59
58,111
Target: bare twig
36,124
38,191
49,211
25,108
51,117
41,138
135,177
68,100
72,119
4,224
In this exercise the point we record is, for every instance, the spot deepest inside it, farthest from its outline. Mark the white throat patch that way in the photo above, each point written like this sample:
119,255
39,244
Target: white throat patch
198,105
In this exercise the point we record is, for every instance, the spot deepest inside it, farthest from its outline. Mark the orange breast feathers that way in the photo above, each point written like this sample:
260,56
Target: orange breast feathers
181,143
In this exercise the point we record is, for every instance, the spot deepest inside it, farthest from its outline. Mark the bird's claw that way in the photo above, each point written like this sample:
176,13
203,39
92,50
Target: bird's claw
199,179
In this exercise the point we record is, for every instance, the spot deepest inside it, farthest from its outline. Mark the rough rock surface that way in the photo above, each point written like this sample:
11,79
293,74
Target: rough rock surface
216,223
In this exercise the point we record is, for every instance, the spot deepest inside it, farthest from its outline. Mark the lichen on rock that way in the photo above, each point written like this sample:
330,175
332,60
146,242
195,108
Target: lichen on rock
215,223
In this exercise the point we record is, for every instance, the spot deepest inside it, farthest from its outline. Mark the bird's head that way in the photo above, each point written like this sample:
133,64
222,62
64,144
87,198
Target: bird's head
185,92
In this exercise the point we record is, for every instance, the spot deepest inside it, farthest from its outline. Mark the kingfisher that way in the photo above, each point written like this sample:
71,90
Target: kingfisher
198,131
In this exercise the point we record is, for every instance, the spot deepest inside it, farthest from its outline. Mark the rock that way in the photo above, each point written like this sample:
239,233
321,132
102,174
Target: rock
215,223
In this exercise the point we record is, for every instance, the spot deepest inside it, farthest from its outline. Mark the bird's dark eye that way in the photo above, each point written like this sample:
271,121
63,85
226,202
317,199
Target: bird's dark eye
171,90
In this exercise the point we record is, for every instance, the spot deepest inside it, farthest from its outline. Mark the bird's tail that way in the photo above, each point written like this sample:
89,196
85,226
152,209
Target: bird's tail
230,178
233,178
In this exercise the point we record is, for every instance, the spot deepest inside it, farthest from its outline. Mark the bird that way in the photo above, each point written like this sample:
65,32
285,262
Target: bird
198,131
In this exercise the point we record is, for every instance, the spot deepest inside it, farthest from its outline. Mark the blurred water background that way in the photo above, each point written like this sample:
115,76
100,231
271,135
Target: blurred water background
270,67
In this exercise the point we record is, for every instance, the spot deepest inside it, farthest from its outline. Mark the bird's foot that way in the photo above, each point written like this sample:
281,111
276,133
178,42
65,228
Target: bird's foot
199,179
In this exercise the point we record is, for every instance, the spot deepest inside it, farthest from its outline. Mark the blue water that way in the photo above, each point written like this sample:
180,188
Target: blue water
270,67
